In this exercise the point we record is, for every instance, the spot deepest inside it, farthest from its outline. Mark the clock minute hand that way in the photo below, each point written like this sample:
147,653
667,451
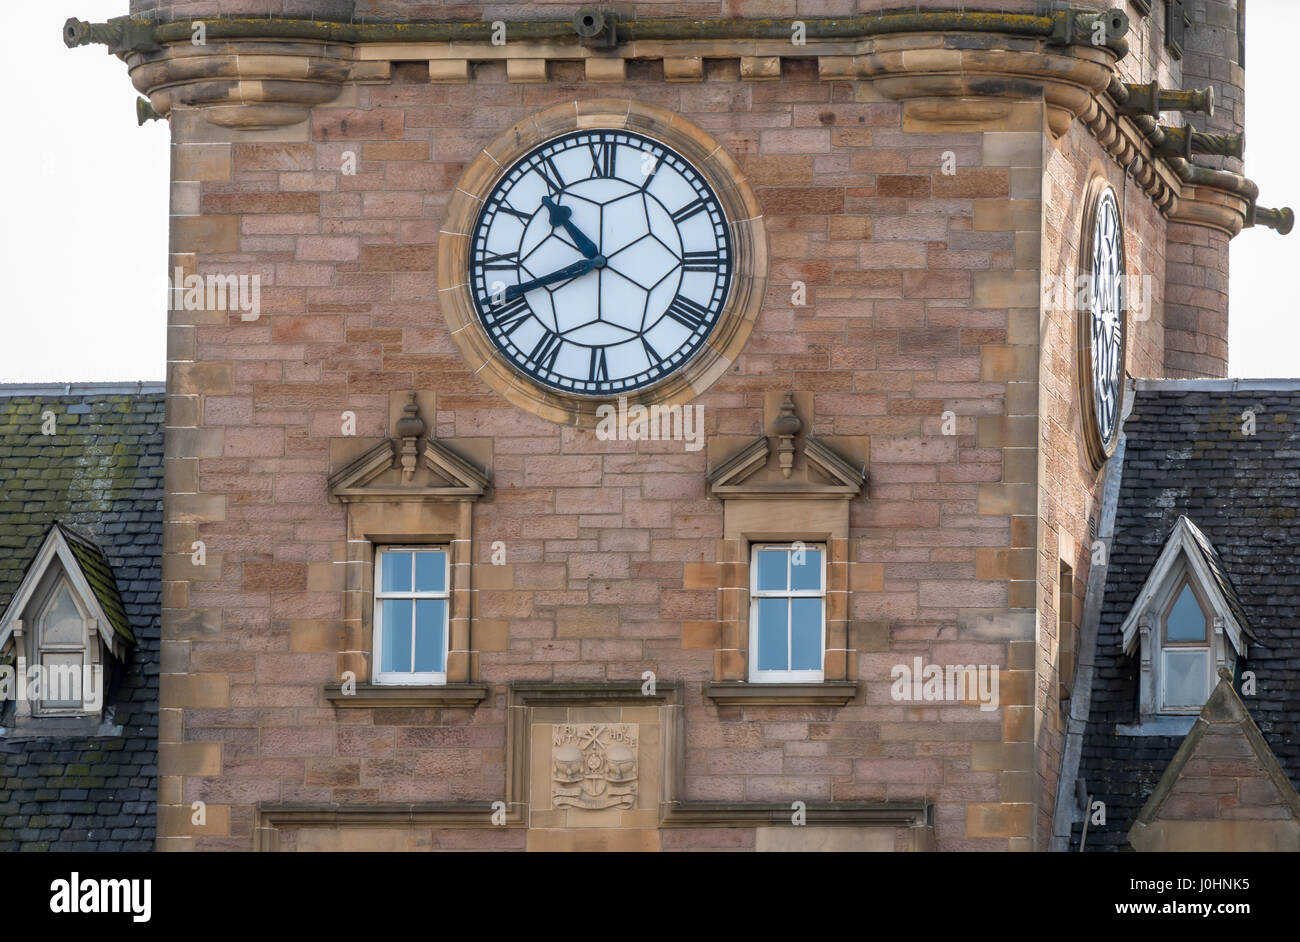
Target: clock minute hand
564,274
560,216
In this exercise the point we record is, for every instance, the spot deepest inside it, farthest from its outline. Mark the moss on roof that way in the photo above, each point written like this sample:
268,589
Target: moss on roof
100,476
99,574
99,471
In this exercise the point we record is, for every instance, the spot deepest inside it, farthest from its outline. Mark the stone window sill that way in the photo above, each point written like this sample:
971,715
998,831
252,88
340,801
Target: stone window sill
726,814
828,693
61,727
394,695
1158,726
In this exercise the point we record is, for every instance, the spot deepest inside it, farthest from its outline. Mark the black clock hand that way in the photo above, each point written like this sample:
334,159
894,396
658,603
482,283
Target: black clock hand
564,274
560,216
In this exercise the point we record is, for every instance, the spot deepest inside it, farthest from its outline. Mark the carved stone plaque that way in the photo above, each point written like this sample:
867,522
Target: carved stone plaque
594,765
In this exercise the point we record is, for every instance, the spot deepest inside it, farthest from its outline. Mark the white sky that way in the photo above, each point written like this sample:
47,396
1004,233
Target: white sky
83,257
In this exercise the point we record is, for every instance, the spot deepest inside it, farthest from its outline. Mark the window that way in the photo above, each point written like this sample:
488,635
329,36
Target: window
60,652
1066,639
412,597
1175,26
1185,663
1186,623
63,630
787,619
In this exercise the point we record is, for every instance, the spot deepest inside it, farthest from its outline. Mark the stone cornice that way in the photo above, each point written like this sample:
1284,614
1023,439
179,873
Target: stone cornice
254,73
1181,190
133,34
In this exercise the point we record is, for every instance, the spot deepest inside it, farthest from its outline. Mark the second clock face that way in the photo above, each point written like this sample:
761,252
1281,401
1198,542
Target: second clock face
1107,317
600,262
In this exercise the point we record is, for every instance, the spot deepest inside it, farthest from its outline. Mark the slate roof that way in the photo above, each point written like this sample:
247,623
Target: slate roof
1186,454
1221,578
101,476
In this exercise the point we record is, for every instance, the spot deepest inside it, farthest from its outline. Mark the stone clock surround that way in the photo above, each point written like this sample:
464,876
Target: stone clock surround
748,241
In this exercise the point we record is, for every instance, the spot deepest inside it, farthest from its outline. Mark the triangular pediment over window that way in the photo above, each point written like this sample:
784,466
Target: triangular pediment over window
1188,552
410,467
89,578
804,466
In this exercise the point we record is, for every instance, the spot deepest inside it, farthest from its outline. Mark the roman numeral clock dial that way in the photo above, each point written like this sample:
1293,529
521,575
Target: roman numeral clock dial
1105,323
600,262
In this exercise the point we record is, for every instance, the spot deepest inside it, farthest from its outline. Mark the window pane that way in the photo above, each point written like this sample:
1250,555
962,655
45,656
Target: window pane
395,572
1186,621
771,569
805,634
808,574
61,679
1185,678
430,631
772,634
396,642
62,621
431,571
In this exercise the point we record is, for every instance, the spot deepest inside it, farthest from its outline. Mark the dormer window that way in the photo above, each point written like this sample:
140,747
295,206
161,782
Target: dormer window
63,629
1186,623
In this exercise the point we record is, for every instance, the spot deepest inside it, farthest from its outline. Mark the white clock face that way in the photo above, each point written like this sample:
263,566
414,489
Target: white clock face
600,262
1107,302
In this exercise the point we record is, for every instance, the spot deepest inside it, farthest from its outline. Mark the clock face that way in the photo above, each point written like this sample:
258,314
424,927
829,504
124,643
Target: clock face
1107,316
600,262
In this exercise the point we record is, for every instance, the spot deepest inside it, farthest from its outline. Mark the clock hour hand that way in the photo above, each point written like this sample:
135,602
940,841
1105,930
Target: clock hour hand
564,274
560,216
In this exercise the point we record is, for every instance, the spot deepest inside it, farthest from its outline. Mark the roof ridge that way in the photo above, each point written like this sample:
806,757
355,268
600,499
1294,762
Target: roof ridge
1245,384
135,388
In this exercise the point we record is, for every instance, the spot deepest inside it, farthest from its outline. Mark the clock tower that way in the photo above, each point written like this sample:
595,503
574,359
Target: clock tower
864,289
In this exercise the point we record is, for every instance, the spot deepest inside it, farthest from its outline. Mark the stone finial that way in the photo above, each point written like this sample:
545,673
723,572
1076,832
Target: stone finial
786,427
410,427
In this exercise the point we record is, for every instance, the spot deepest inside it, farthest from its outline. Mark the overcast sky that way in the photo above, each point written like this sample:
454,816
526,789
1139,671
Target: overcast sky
85,215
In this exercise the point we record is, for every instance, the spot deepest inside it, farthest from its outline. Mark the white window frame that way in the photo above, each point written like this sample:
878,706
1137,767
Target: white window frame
1164,646
1183,559
41,648
409,677
784,676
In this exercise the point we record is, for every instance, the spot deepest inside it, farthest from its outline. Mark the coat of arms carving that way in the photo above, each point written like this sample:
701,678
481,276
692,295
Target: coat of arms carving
594,765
